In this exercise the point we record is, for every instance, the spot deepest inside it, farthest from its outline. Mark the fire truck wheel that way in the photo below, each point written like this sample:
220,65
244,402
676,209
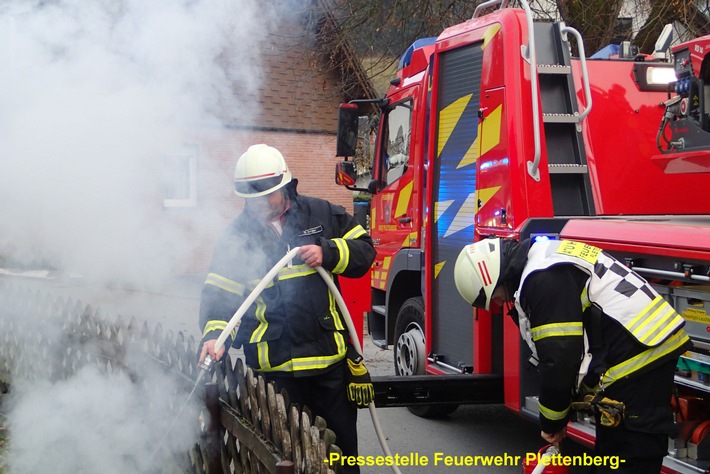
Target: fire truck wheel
409,348
410,352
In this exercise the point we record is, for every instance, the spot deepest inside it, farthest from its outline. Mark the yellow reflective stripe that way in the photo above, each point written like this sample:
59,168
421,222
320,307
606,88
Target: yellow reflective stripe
260,315
557,330
333,307
667,322
302,363
677,322
643,359
217,325
305,363
640,319
262,351
355,233
296,271
552,414
224,283
585,299
344,252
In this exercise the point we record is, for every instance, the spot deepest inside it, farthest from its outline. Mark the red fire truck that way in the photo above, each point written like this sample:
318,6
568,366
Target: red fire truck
495,128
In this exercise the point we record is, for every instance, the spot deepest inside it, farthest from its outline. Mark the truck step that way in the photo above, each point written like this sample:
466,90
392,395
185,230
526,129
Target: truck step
469,389
380,309
560,118
553,69
567,168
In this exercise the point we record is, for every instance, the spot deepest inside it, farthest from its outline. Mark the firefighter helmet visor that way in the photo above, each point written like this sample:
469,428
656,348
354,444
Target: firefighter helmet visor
257,186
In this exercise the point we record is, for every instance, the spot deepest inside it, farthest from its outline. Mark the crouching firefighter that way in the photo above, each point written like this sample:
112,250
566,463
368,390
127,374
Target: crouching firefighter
600,335
294,333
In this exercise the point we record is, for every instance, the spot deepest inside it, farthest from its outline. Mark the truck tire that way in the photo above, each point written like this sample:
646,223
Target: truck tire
410,352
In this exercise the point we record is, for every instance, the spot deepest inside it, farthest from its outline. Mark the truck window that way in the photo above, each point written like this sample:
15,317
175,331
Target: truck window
397,134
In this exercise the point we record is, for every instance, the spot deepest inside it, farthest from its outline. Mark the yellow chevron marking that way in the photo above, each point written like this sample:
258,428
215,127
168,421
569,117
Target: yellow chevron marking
471,154
489,34
438,267
489,130
449,117
403,200
386,263
409,240
484,195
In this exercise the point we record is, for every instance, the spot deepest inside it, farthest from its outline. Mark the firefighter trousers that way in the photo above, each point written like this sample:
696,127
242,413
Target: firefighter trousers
641,441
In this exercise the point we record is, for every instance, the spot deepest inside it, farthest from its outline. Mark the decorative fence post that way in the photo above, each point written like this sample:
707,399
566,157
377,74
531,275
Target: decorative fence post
213,432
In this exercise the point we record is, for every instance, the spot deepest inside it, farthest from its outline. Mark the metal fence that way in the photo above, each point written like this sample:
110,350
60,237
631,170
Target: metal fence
248,427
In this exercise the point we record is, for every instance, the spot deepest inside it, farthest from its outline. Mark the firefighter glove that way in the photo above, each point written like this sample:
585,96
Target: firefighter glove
360,389
610,412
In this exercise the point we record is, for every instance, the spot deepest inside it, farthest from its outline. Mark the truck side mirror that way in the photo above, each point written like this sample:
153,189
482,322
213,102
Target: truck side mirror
347,130
345,174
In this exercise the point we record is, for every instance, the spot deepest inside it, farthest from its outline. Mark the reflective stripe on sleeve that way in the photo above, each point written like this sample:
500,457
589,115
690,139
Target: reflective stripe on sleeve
355,233
344,252
557,330
552,414
217,325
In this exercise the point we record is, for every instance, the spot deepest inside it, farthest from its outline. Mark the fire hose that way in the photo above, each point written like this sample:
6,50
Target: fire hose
207,364
551,451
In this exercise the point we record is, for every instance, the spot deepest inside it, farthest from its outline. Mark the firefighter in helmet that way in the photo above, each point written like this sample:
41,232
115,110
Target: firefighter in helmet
294,333
595,328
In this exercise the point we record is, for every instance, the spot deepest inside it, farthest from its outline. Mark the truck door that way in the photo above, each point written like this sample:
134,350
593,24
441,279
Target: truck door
454,201
392,216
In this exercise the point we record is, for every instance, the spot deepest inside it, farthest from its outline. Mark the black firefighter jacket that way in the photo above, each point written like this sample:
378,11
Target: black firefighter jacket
552,297
295,325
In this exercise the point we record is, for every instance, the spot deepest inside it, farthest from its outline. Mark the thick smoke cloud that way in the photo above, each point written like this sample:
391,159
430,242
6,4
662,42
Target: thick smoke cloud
93,96
99,422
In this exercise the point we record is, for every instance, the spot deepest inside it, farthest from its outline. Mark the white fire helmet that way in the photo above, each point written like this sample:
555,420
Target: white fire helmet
261,170
477,271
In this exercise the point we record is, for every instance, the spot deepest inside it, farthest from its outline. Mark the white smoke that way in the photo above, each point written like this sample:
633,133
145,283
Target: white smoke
99,422
93,96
